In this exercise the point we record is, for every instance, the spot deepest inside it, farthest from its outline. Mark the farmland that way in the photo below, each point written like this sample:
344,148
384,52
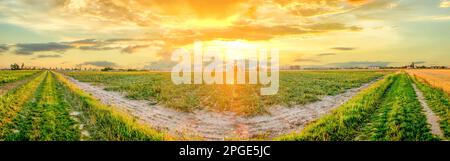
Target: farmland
11,76
295,88
50,108
436,78
389,111
434,84
356,105
10,79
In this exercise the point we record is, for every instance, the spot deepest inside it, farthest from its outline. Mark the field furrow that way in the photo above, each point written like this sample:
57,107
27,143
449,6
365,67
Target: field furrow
9,81
45,118
399,116
387,111
13,101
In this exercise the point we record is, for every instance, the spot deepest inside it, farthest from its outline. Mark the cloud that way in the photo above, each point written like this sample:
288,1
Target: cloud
92,44
3,48
165,65
326,54
306,60
308,8
97,48
49,56
133,48
100,63
359,64
84,42
29,49
124,16
444,4
125,45
431,18
250,32
343,48
333,26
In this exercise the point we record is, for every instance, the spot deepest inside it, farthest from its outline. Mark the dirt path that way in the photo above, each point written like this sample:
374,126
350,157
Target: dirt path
432,118
220,126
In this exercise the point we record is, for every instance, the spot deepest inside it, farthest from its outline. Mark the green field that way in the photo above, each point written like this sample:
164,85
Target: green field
50,108
439,102
11,76
388,111
296,87
47,106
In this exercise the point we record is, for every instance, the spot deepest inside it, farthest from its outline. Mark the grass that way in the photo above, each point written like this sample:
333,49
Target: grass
388,110
7,76
296,87
40,110
44,118
13,101
50,108
345,122
399,117
439,102
435,78
103,122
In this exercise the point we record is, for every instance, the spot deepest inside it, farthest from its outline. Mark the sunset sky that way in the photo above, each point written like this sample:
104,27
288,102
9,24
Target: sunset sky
143,33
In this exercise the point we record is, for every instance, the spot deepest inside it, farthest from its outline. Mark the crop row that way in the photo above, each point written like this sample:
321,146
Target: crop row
49,107
439,102
295,88
388,110
11,76
13,101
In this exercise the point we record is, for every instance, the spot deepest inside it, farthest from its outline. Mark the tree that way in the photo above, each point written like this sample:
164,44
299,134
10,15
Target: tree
107,69
23,66
15,66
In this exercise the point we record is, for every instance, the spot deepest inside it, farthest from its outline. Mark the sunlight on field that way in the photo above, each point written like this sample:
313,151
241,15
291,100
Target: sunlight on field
10,76
296,87
437,78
